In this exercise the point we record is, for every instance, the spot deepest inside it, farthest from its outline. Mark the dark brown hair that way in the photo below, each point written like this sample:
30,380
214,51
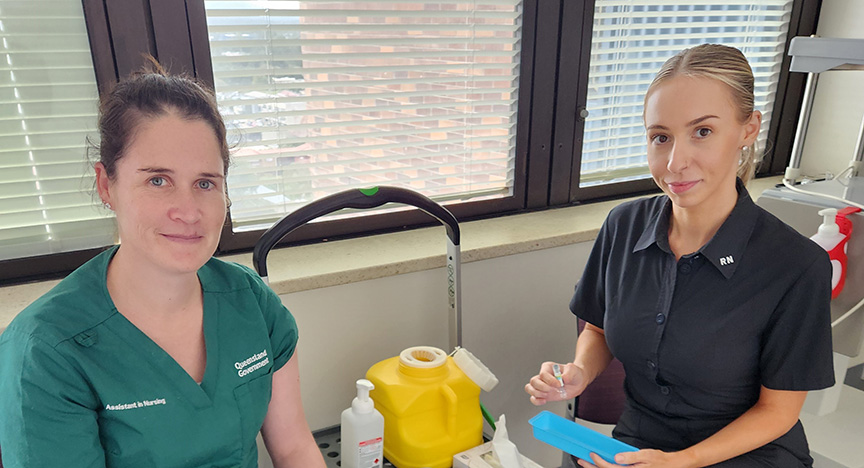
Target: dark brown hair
149,94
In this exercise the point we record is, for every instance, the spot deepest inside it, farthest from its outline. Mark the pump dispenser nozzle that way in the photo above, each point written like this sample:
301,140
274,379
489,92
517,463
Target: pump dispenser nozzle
829,225
362,403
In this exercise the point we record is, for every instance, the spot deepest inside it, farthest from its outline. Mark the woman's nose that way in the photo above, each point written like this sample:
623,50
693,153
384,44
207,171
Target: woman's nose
184,207
678,159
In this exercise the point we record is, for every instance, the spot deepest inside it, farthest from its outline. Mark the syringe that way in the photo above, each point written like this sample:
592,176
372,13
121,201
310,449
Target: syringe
556,369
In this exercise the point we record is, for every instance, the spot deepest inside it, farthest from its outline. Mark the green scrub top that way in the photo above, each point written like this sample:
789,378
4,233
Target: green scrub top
83,387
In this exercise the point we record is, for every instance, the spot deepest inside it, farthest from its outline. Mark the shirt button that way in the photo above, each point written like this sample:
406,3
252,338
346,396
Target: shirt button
685,268
665,390
652,365
660,319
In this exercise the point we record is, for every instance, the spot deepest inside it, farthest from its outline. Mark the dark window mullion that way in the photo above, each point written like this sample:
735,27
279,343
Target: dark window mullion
524,97
197,18
790,92
576,19
100,43
171,36
543,102
131,34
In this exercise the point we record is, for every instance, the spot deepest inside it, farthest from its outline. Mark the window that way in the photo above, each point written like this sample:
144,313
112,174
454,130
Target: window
476,103
325,96
632,39
48,105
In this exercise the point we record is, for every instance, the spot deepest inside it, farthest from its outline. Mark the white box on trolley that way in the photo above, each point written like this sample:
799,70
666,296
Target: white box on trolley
482,457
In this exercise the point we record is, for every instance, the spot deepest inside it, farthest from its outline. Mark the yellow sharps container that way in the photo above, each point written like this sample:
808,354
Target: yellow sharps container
431,408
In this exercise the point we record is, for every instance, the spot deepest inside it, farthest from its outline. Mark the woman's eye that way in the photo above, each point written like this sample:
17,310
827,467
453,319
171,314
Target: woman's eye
157,181
659,138
703,132
205,184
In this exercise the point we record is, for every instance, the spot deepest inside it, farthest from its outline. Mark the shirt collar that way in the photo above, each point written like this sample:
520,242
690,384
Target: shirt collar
726,248
657,229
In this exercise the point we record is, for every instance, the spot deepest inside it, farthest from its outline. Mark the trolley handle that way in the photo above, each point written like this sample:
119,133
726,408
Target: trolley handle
353,198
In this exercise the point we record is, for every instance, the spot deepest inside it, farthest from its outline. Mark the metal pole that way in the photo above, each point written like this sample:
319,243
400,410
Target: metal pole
803,120
454,291
859,149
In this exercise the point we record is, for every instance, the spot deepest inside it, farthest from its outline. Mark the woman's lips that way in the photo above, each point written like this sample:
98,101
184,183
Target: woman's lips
681,187
183,237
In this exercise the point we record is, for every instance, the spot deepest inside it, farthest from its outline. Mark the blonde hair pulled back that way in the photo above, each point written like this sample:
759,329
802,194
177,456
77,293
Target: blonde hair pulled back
729,66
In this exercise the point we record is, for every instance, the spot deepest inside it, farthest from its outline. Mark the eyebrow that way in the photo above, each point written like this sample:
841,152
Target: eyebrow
691,123
701,119
163,170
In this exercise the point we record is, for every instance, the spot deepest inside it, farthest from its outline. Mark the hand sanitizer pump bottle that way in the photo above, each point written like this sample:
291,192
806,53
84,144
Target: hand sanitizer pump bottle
362,431
833,241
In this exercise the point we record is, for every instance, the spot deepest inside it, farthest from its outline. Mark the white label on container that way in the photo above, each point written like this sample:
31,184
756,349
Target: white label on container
370,453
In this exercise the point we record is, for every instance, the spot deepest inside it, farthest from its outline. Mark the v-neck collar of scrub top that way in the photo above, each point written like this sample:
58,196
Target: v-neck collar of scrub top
729,242
157,357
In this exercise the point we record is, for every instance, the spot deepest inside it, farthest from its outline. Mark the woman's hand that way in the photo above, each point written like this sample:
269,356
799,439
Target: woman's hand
643,459
544,387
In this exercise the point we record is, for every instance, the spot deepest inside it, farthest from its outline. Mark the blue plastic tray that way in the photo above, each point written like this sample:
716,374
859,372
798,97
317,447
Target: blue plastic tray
575,439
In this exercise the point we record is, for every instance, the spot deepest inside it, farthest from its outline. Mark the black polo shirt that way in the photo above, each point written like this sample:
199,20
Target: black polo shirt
700,335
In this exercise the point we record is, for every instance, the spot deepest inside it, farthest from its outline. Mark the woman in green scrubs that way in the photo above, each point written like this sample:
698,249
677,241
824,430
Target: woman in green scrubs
154,354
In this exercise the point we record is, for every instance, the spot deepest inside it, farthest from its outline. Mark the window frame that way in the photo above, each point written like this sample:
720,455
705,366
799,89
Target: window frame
548,128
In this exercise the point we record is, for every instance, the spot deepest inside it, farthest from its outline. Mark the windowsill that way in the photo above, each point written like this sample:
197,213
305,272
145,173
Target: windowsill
348,261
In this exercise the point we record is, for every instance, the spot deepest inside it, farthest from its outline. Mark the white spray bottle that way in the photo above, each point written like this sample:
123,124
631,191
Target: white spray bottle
362,431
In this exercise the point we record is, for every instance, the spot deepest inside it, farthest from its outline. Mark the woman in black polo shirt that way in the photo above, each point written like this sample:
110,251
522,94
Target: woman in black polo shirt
719,312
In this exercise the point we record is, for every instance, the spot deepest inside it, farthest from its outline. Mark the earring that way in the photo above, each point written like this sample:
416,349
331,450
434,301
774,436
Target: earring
106,205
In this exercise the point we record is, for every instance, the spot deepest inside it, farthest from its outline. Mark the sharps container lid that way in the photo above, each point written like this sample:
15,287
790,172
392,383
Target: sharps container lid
474,369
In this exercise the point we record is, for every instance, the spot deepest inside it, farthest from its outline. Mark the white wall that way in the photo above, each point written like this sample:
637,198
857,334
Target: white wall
515,317
838,105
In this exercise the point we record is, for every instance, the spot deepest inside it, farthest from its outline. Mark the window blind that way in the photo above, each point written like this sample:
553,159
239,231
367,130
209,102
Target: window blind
631,40
326,95
48,104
